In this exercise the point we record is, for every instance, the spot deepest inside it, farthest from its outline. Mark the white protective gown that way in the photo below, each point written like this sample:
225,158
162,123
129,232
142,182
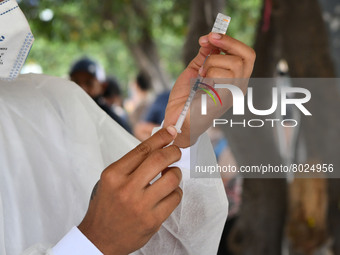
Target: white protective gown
54,143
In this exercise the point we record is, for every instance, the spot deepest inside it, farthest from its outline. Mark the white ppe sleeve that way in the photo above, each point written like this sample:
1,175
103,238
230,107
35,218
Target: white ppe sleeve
195,226
55,142
75,243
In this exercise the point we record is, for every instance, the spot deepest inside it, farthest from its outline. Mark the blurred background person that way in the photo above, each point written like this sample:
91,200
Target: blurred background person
90,76
141,97
153,118
114,98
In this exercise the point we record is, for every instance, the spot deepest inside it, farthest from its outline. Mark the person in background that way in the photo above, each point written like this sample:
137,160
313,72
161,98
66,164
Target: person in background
140,100
153,118
113,97
90,76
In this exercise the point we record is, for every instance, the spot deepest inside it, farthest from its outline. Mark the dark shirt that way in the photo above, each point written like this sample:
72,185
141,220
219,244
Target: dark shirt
113,115
156,112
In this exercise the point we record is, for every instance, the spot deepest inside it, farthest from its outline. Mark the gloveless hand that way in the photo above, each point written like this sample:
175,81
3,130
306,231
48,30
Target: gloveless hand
237,62
125,210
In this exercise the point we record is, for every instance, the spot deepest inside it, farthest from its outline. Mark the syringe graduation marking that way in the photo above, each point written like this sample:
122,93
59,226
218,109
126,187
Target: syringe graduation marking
220,26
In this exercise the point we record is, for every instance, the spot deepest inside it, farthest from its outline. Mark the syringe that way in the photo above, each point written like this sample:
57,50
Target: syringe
220,26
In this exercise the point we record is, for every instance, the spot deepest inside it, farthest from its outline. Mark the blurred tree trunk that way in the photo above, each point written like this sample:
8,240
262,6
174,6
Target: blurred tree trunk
331,15
259,228
306,49
202,17
135,31
296,33
146,55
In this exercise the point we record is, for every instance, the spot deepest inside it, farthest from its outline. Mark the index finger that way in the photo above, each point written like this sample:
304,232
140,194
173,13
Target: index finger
134,158
213,42
230,46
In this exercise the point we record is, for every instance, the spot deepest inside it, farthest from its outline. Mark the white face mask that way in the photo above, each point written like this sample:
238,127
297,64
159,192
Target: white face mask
16,39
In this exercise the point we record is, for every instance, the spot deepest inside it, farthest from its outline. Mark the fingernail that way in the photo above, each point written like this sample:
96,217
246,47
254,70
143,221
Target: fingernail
200,70
204,39
216,36
172,130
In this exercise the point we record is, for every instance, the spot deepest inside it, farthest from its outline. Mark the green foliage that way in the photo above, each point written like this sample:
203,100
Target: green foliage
99,30
244,17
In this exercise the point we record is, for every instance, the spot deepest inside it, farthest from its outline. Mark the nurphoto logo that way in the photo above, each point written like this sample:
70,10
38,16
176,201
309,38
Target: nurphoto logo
279,95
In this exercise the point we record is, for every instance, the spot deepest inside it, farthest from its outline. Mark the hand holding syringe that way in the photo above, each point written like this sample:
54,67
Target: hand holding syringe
220,26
